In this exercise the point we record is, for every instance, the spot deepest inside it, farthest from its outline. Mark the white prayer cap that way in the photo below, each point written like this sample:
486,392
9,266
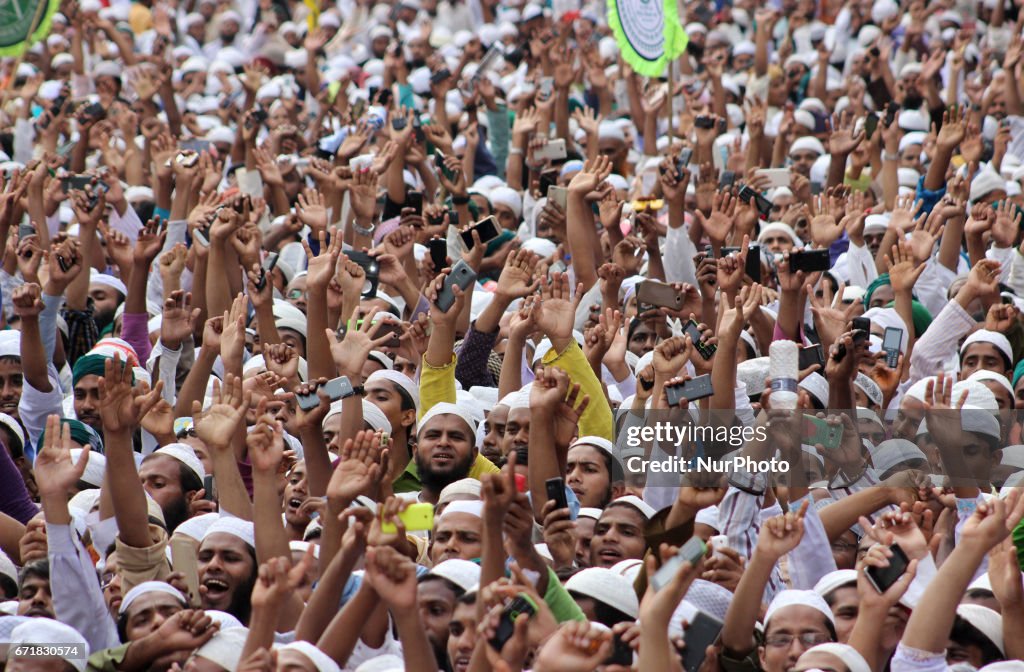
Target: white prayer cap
980,421
462,573
870,416
752,373
7,568
1013,456
983,582
474,508
486,397
985,182
913,138
108,281
988,622
778,227
373,416
540,246
10,345
816,385
196,526
236,527
988,336
807,143
225,648
149,587
868,386
590,512
462,488
982,375
598,442
321,661
978,395
303,546
834,580
894,452
94,468
606,586
287,316
404,382
919,389
48,631
446,408
801,598
185,454
847,654
913,120
386,663
640,505
510,198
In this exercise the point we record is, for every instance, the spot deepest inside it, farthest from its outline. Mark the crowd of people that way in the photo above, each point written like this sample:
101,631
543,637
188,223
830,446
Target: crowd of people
400,336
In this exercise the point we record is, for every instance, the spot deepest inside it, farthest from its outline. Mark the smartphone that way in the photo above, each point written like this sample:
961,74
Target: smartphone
183,559
816,430
861,329
75,183
556,491
270,263
399,123
58,104
210,488
811,355
361,162
763,205
371,267
706,351
461,275
259,115
654,293
882,578
753,263
552,150
704,121
809,261
690,390
26,230
891,346
727,179
94,111
439,162
702,632
522,604
692,551
438,252
335,389
684,160
548,179
196,145
890,113
414,200
547,87
870,124
201,237
717,542
416,518
558,195
187,158
487,229
777,177
440,76
622,653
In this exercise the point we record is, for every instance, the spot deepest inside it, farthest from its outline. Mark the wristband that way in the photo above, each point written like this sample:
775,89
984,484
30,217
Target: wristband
460,200
364,231
515,150
886,156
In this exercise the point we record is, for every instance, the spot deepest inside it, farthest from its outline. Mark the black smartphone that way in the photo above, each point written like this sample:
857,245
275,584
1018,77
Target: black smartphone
453,217
753,263
861,329
701,633
706,351
556,491
440,76
259,115
487,229
691,390
891,346
890,113
209,488
461,275
58,104
75,183
704,121
684,160
414,200
763,205
371,267
809,261
870,124
399,123
438,252
522,604
549,178
622,653
94,111
810,356
882,578
727,179
336,389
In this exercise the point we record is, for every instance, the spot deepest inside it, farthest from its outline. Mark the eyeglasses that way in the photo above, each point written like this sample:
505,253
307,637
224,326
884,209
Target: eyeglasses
808,639
107,579
296,294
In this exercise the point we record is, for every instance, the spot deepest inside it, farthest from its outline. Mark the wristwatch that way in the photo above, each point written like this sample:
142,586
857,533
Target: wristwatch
368,231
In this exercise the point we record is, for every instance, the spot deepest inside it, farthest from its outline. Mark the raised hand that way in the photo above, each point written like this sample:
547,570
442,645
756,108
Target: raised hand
117,407
178,321
671,355
27,300
903,269
782,534
321,267
364,195
311,210
350,353
150,242
277,578
993,521
362,464
217,425
56,473
577,646
265,443
393,576
954,128
555,312
516,279
719,223
595,171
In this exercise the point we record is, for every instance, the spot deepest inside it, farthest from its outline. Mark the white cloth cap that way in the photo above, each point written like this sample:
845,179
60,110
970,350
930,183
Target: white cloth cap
149,587
373,416
834,580
850,656
196,526
988,336
185,454
607,586
590,512
446,408
48,631
243,529
985,620
108,281
893,452
462,573
632,500
807,143
225,648
321,661
598,442
401,380
802,598
470,506
463,487
94,468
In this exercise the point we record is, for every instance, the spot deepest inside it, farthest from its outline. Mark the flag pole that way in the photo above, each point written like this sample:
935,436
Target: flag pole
12,75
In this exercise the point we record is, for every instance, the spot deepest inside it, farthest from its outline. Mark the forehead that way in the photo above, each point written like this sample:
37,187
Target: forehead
153,600
222,541
381,386
797,618
458,522
9,365
584,453
622,514
299,469
89,382
520,415
446,423
498,414
435,589
981,350
160,465
465,614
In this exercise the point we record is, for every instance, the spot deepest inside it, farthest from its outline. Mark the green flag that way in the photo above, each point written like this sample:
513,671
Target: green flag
648,32
24,22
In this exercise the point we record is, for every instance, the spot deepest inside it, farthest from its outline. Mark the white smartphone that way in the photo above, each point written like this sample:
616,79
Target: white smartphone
361,162
717,543
777,177
554,150
558,195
